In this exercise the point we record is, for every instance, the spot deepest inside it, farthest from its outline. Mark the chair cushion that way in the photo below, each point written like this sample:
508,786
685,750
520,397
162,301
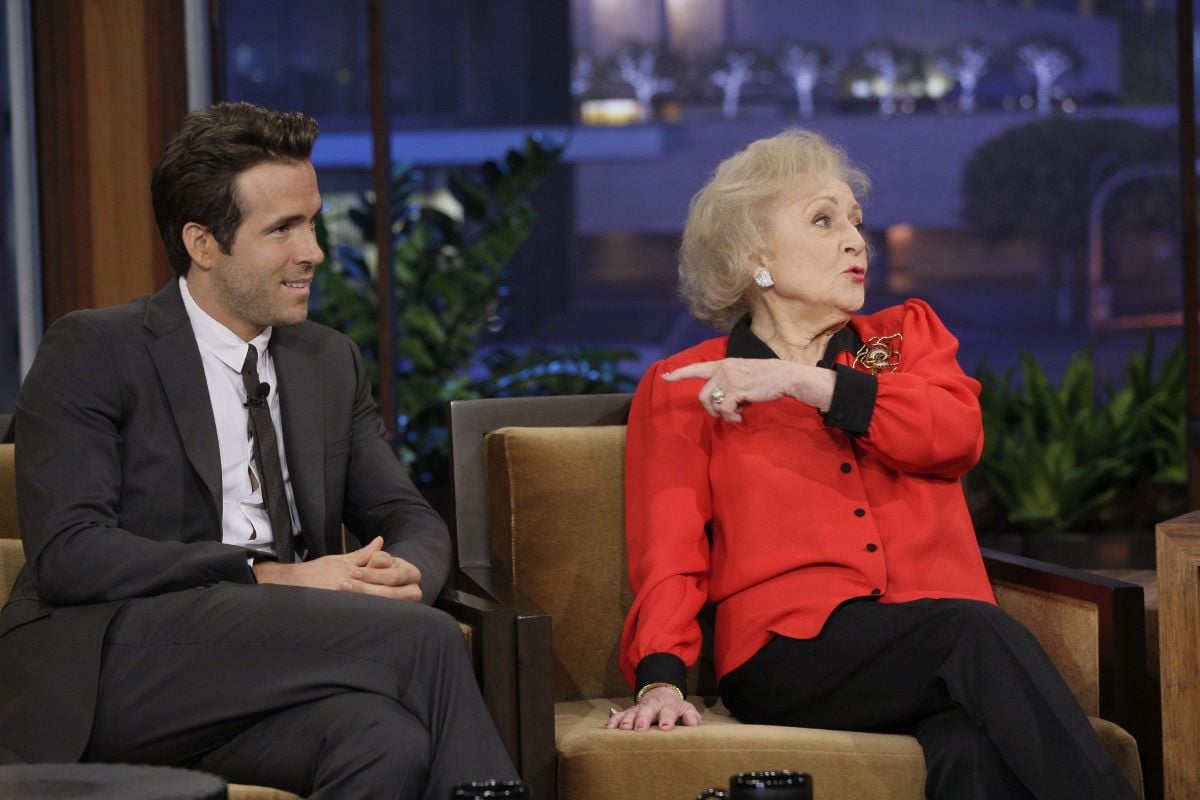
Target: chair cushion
12,558
598,763
10,528
238,791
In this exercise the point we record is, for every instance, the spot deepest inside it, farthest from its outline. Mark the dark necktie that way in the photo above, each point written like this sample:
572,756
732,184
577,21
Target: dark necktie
266,455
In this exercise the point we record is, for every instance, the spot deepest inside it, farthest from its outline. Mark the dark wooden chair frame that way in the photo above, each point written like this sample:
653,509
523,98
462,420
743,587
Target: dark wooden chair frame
1121,623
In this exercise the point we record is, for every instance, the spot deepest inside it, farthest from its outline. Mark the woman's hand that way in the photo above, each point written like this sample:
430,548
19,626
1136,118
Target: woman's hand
662,706
756,380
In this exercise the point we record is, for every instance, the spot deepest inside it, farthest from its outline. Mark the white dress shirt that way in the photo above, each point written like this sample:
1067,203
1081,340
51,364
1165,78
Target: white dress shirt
245,521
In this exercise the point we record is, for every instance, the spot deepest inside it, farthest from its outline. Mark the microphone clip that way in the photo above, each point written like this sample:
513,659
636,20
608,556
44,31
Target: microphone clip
259,398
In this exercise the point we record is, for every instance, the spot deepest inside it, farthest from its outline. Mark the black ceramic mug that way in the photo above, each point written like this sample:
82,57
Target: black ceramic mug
782,785
489,790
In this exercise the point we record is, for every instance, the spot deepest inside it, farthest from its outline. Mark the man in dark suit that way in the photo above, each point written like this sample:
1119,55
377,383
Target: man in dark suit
187,599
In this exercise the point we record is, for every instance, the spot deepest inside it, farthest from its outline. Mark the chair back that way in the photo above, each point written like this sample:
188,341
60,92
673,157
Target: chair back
472,420
12,555
556,512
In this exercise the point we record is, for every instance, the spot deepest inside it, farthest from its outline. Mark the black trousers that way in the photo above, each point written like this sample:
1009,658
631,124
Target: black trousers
991,712
325,694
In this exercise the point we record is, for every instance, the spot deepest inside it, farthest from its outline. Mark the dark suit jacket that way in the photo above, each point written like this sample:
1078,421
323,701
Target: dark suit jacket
119,490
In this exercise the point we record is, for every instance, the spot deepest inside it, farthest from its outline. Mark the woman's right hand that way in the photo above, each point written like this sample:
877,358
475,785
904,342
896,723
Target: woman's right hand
661,706
756,380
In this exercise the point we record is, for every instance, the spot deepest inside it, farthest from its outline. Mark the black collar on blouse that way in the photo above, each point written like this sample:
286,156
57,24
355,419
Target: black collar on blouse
743,343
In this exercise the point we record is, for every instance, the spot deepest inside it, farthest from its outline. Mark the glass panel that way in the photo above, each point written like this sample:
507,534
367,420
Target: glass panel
957,108
310,56
1022,154
10,366
465,81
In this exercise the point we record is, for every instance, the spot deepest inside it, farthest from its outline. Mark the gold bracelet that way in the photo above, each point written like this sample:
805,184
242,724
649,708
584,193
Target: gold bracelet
662,685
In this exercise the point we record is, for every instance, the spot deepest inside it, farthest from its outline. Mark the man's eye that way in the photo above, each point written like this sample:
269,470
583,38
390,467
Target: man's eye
822,221
283,228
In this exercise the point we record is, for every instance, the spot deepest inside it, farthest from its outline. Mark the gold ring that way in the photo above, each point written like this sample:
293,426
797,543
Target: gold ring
612,712
717,395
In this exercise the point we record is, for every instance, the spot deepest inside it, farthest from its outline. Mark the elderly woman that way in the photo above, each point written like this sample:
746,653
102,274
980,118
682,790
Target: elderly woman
802,474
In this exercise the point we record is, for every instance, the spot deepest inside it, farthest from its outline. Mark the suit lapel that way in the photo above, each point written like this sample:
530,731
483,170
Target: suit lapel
301,405
176,357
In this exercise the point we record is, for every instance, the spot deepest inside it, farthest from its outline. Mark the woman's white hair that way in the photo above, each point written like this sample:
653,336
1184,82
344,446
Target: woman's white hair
727,225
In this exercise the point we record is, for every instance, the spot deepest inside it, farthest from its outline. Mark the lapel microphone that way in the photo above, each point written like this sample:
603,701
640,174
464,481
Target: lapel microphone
260,395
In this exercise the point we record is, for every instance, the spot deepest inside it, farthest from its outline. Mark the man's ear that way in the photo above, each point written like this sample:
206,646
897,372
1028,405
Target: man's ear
200,244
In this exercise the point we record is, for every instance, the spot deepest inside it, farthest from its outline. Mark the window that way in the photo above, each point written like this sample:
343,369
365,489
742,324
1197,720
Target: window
1093,253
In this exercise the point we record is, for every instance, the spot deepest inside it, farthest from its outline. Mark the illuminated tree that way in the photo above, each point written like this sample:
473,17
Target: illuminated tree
638,66
1047,58
966,61
888,70
883,60
803,65
583,73
736,70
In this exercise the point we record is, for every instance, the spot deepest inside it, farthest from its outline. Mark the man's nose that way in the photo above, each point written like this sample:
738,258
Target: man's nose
310,251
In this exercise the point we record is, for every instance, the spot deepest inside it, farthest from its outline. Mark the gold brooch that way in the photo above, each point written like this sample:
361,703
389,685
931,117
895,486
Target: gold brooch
877,354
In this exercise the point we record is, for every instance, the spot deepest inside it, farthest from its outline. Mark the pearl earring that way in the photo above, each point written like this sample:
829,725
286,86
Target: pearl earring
764,279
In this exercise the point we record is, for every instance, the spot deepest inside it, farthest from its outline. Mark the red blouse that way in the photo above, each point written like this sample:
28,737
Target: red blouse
802,515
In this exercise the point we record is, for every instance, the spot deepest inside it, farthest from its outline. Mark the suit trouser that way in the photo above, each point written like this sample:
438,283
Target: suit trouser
326,694
990,710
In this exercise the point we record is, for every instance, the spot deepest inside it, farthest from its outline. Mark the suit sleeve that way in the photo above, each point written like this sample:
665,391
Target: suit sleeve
926,417
667,506
381,499
69,467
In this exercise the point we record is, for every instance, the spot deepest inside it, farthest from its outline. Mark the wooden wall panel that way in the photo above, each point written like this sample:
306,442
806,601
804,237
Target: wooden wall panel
112,85
63,177
122,247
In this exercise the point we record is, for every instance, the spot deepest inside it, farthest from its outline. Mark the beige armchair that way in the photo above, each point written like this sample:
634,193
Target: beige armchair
539,525
485,624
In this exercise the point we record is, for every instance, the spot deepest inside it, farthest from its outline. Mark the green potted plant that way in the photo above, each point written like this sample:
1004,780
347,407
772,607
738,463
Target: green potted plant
1083,470
449,265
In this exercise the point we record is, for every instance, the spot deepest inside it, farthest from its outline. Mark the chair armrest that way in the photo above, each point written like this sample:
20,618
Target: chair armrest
1054,602
490,582
488,629
534,646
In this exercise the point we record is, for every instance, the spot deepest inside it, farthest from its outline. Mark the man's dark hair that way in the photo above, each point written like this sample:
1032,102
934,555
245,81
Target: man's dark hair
195,178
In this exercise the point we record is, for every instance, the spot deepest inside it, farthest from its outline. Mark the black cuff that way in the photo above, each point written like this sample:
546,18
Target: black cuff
853,401
662,668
